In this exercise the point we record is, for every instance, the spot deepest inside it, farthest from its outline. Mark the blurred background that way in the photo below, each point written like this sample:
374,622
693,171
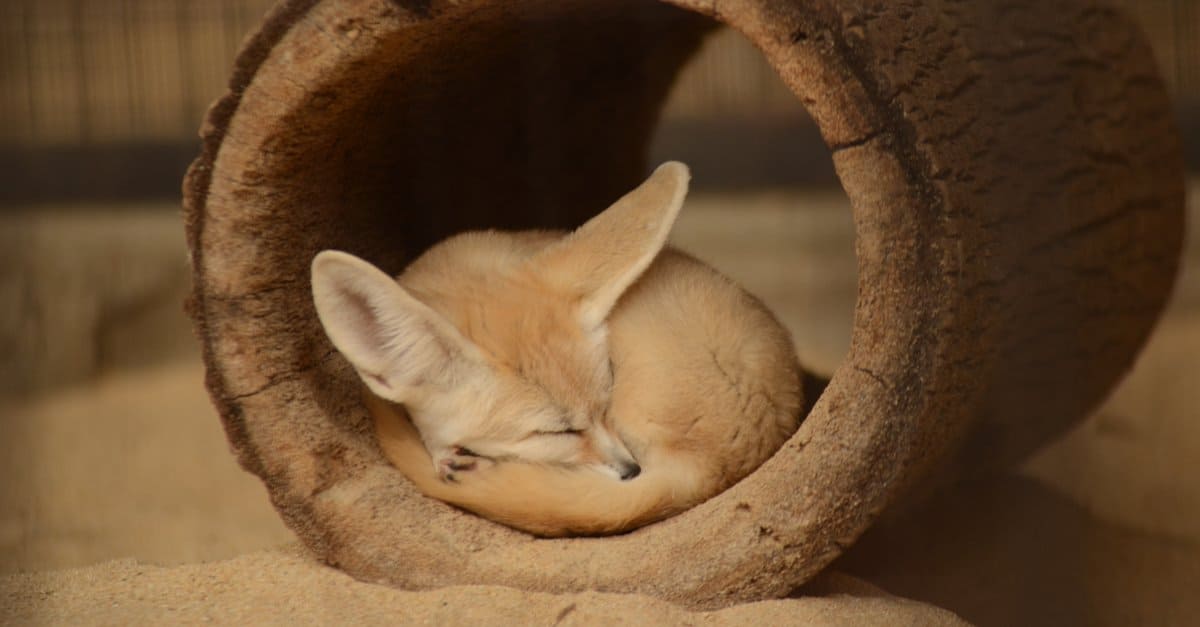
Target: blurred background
109,447
100,102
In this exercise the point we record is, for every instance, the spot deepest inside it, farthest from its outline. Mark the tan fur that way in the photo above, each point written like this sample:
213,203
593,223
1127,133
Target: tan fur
649,357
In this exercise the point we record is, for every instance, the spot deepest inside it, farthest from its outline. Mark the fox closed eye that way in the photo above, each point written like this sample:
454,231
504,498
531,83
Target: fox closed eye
559,432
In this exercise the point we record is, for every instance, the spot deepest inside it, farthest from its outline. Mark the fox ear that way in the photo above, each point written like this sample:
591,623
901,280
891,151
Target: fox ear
395,342
602,258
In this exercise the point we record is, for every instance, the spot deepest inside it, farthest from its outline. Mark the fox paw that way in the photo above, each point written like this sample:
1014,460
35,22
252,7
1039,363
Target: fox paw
459,461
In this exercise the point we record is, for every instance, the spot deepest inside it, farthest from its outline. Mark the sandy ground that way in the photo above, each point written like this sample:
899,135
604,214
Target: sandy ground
119,501
286,587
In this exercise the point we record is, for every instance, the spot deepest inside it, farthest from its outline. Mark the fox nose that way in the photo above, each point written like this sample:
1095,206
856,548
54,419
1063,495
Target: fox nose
630,471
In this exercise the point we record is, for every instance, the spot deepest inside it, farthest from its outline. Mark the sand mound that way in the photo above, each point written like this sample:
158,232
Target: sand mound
284,586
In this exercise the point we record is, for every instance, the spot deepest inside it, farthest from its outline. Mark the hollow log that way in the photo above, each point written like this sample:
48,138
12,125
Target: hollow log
1016,187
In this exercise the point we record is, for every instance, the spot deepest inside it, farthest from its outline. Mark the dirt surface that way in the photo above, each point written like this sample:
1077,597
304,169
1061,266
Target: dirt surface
285,586
1101,528
1014,552
134,465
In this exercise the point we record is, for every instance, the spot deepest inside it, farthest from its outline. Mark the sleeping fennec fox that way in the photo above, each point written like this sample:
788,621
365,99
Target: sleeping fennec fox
566,384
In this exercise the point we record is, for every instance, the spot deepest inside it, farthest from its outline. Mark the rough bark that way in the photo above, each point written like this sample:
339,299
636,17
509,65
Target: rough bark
1016,187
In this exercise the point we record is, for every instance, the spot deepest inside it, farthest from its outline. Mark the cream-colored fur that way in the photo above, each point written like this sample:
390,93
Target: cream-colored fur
586,383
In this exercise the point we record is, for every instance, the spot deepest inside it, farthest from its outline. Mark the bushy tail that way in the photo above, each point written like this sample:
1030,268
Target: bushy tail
543,500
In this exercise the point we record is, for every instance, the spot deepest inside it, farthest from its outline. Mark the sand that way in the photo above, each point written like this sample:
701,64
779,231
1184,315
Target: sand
285,586
134,465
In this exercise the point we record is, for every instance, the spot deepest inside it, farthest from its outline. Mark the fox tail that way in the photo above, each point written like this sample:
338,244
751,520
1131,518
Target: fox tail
544,500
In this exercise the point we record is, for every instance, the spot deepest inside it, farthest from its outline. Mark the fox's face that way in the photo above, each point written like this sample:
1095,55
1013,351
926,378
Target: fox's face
497,343
529,382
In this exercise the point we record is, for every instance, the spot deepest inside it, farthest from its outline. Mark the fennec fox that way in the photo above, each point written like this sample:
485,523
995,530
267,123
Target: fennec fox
583,383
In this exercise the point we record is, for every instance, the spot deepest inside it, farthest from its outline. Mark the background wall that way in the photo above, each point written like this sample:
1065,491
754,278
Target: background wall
102,98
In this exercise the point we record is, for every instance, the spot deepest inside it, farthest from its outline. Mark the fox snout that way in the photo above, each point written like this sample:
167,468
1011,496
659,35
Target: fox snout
615,458
623,469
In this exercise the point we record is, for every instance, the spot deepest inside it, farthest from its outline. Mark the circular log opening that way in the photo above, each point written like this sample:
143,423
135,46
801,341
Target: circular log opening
1017,197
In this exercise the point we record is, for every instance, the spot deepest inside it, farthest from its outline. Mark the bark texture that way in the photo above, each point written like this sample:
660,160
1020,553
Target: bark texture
1016,185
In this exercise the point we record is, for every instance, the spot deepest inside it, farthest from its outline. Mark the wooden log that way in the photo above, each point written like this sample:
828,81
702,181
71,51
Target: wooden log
1017,192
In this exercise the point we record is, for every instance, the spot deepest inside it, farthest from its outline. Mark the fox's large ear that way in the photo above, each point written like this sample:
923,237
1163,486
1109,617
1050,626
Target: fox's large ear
395,342
602,258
